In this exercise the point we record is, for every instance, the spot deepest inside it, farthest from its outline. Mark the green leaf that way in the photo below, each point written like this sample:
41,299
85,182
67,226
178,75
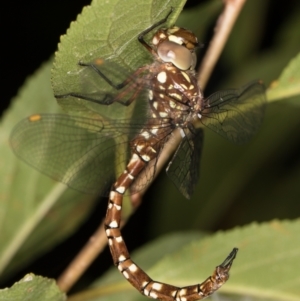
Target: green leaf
33,287
32,205
105,30
288,84
266,268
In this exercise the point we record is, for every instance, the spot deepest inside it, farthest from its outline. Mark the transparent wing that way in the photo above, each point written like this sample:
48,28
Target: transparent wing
183,169
236,114
87,153
81,152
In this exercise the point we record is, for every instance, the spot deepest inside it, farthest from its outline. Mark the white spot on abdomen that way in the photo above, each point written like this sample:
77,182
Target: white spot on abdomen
146,158
121,258
153,295
119,239
133,268
113,224
120,189
157,286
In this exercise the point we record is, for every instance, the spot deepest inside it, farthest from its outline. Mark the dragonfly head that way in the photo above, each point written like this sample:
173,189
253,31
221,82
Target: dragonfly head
176,45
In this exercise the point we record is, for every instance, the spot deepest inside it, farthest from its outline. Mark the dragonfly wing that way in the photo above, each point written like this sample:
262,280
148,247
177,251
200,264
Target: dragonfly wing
80,152
183,169
236,114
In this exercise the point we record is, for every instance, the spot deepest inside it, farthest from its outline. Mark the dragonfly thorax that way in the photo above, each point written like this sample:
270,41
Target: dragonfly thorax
175,94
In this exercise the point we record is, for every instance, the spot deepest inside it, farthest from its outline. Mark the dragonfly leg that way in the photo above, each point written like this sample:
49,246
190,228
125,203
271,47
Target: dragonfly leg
143,33
130,84
101,74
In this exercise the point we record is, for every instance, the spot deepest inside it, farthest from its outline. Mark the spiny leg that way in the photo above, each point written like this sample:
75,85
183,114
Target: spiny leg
130,84
131,271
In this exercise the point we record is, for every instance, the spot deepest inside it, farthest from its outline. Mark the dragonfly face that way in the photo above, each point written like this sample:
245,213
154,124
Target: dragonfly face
176,45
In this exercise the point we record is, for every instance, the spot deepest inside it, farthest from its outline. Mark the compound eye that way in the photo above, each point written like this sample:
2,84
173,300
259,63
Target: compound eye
178,55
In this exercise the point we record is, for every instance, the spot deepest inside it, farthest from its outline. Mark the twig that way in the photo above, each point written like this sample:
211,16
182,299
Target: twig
84,258
223,28
98,241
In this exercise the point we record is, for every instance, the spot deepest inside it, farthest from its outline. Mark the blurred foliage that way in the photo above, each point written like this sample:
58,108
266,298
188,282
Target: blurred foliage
32,287
238,185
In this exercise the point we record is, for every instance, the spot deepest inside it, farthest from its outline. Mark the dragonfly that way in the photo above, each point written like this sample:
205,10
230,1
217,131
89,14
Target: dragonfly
84,152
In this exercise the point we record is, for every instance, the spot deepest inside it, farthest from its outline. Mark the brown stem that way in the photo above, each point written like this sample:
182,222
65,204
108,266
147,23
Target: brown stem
95,245
223,28
84,258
